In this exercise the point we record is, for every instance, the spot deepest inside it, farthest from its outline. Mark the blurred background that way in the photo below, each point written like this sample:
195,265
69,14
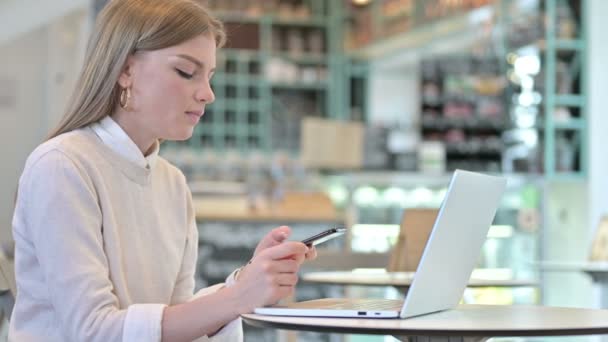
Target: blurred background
351,112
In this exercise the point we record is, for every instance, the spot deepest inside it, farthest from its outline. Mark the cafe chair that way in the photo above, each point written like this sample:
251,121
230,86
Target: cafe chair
415,229
599,246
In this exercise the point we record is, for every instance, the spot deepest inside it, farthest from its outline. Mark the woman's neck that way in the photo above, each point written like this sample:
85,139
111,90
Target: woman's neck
145,144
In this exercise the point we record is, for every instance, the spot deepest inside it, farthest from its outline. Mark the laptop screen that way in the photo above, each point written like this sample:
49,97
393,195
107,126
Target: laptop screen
454,246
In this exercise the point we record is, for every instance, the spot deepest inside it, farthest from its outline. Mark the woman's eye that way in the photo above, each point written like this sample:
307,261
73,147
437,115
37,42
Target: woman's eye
184,74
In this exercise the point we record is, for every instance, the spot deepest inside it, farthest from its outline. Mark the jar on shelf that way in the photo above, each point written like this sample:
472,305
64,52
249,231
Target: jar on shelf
432,157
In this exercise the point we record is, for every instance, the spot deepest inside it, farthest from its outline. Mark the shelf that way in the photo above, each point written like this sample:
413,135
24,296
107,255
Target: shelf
313,22
454,152
416,179
572,124
233,79
391,178
560,44
229,16
568,176
299,86
442,124
453,98
303,58
240,105
569,100
239,53
569,44
295,207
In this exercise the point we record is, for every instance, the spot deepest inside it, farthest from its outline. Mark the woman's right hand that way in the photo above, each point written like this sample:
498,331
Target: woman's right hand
271,276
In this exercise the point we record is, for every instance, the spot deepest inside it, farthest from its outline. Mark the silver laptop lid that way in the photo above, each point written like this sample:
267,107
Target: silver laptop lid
454,246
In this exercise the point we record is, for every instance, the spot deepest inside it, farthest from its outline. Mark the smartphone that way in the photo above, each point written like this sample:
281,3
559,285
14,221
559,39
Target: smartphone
324,236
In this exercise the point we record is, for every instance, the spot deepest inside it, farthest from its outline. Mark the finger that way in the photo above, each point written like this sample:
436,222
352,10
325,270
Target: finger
281,234
286,249
287,266
275,237
299,257
278,266
282,292
286,279
311,254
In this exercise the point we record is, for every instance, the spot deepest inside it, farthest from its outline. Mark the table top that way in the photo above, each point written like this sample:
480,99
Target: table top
397,279
465,320
584,266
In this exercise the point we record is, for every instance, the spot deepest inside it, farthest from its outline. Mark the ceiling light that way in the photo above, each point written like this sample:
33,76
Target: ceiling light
361,2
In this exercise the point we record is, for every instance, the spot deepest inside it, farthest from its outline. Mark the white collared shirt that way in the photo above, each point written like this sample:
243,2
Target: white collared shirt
112,135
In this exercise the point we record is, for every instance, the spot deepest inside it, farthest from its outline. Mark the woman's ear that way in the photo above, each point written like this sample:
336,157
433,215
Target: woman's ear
125,80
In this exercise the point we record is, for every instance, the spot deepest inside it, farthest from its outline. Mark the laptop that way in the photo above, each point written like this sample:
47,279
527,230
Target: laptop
448,259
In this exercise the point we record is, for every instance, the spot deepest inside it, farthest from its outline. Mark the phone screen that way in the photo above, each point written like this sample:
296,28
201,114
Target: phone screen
324,236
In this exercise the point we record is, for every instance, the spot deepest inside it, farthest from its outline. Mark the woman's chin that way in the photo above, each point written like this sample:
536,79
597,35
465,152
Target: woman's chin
180,136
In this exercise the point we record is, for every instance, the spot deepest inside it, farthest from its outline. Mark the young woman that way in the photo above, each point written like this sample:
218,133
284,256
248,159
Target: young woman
105,231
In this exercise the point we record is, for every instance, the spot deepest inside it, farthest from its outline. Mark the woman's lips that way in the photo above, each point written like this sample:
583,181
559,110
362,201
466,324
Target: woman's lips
196,113
195,116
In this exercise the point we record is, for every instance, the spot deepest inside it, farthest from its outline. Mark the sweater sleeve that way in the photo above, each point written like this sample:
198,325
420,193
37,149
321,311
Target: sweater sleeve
184,286
64,225
233,331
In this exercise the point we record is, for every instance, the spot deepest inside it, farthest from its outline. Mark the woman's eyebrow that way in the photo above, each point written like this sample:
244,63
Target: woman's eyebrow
191,59
198,63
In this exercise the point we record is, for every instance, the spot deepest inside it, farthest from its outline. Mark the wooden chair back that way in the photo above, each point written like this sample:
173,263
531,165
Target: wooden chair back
415,229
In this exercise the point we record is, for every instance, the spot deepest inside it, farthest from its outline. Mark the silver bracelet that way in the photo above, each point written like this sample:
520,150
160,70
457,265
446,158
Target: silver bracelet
238,270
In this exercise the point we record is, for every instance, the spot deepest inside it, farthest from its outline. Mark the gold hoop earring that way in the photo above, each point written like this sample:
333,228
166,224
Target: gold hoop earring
125,96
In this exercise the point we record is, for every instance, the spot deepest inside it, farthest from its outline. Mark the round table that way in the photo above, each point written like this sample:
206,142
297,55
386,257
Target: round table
464,323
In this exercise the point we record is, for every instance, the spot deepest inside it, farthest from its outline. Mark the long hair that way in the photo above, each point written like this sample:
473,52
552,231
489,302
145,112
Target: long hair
123,28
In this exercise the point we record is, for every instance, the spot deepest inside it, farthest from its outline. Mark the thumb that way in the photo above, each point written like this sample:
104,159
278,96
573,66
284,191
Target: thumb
273,238
280,234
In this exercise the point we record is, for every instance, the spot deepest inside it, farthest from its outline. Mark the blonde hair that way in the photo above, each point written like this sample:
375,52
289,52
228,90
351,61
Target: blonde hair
123,28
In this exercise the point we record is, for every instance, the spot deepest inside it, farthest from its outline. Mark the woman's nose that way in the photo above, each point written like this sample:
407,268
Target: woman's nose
205,94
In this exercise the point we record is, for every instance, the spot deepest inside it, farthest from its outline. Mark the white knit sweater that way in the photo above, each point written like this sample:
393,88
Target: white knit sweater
103,244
